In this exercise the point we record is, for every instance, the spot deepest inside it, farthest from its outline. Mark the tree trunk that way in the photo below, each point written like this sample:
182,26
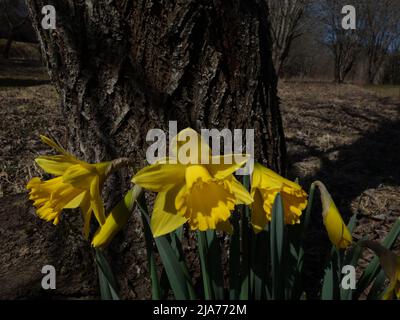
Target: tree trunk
124,67
7,48
337,72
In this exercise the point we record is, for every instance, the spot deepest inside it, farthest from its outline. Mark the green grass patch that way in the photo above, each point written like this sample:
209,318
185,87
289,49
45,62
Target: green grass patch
385,90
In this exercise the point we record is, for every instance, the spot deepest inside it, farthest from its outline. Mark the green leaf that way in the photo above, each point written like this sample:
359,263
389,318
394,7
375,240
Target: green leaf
374,266
210,252
352,223
203,252
351,258
215,264
178,278
296,244
378,287
164,285
307,216
293,289
175,240
148,236
106,278
260,266
331,282
277,248
246,234
234,260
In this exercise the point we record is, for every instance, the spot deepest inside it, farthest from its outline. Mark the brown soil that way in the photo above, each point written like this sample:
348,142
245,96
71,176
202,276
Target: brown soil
348,138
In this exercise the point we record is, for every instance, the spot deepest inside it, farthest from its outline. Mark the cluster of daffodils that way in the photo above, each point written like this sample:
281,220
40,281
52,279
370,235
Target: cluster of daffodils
203,196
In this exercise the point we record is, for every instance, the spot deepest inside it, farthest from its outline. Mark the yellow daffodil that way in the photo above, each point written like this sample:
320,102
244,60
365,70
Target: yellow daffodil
265,186
77,184
203,195
394,287
390,263
337,230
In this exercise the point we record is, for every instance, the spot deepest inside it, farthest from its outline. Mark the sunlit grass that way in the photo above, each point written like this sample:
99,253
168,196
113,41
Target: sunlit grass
392,91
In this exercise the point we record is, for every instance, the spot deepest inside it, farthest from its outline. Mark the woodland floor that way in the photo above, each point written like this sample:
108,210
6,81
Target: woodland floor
346,136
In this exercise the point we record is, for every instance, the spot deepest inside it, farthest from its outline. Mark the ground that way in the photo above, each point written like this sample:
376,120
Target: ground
346,136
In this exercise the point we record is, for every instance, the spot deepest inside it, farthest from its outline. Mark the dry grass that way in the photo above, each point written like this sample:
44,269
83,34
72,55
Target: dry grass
28,108
22,51
385,90
348,137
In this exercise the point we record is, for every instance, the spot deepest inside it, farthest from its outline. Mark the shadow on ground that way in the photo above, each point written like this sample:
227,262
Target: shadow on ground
12,82
351,142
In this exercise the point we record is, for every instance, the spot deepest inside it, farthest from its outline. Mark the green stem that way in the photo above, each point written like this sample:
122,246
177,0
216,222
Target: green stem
203,251
155,283
245,288
234,260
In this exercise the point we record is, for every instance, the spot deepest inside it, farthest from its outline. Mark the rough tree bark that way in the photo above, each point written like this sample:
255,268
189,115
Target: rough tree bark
124,67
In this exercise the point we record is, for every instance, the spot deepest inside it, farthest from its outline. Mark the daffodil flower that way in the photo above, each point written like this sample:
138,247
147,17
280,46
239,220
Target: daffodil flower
390,263
203,195
265,186
337,230
77,184
394,287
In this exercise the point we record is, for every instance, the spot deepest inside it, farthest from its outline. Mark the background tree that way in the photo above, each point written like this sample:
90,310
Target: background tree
15,24
391,74
287,24
380,32
309,57
344,44
124,67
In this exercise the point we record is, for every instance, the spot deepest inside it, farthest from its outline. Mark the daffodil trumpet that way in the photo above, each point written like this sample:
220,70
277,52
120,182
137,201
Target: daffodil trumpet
76,184
265,185
202,195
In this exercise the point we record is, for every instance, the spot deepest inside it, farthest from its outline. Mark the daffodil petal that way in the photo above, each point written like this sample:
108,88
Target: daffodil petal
165,217
55,165
240,192
191,145
338,233
265,178
86,214
76,202
195,173
269,184
95,201
79,176
221,167
160,177
51,143
259,218
102,167
117,219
